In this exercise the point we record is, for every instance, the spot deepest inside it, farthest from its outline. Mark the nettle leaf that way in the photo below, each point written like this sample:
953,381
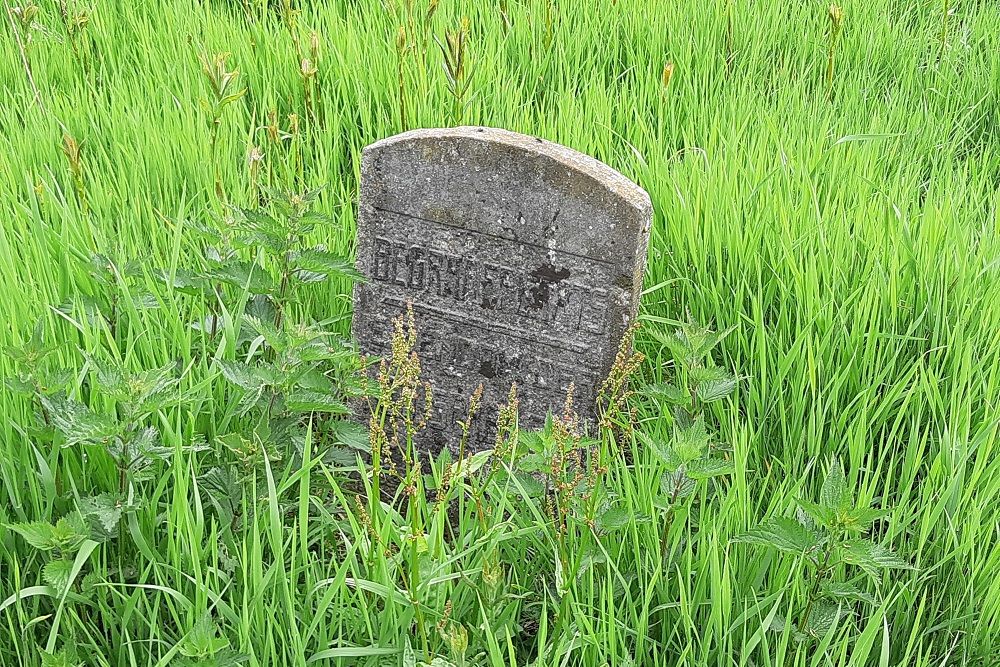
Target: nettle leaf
513,481
706,468
350,434
613,518
872,557
249,401
846,591
715,390
110,376
691,442
682,418
438,662
836,494
265,328
804,518
679,346
266,230
244,275
676,485
703,375
315,380
534,462
320,260
243,376
306,400
69,532
102,514
824,516
182,280
784,534
340,457
145,301
667,392
822,617
20,385
203,640
146,444
859,520
56,574
36,533
591,556
78,423
67,656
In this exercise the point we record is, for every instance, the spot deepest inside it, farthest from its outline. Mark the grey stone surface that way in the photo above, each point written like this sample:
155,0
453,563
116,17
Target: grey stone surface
523,260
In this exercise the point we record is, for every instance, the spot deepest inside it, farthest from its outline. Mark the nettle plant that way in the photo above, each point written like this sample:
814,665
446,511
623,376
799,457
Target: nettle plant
691,455
121,432
288,370
827,539
60,542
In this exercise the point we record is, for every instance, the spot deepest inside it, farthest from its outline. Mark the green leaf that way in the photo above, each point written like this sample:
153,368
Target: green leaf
860,519
102,514
533,463
872,557
717,389
824,516
613,518
244,275
77,423
705,375
846,591
182,280
836,494
350,434
305,400
691,442
242,375
249,401
440,662
267,230
38,534
592,556
822,617
57,573
470,465
510,481
265,328
319,260
676,485
202,641
709,467
409,659
667,392
67,656
69,532
784,534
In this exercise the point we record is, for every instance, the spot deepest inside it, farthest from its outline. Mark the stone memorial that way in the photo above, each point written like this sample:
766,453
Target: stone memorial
523,261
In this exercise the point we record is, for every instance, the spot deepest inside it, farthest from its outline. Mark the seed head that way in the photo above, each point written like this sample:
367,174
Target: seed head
401,40
668,72
836,17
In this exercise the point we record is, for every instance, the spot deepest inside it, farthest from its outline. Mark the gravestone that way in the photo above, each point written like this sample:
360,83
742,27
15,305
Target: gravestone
523,261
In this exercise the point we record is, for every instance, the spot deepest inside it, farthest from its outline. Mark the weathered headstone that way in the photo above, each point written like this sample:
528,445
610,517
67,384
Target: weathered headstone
523,261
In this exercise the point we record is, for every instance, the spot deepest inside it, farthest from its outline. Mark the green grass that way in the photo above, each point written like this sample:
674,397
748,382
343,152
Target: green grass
850,239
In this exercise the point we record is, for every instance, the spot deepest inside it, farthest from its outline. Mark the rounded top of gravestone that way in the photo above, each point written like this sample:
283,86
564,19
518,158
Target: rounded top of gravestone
578,163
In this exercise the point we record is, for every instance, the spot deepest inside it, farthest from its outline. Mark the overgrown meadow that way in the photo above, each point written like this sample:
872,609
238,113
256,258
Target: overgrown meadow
796,466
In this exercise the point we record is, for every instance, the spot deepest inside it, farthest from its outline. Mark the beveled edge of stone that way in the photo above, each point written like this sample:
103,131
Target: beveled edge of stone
627,190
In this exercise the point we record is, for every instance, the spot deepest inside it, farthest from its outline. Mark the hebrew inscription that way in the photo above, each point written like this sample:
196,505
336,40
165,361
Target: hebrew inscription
523,261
